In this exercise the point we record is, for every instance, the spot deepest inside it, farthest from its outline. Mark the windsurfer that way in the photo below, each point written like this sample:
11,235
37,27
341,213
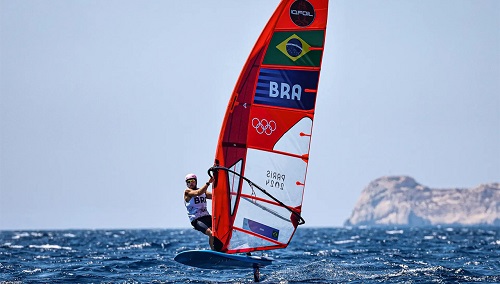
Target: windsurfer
195,200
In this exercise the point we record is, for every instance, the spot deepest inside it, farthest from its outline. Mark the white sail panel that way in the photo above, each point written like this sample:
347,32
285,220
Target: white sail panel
241,241
297,139
282,176
266,223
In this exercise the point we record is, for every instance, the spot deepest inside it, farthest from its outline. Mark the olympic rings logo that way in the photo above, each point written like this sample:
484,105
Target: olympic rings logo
264,126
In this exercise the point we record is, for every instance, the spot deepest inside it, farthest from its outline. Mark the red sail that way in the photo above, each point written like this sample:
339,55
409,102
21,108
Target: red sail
265,135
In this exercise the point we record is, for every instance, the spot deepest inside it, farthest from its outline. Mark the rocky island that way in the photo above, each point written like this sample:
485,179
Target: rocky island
400,200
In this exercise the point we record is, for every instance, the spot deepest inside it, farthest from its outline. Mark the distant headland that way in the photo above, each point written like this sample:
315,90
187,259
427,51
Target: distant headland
400,200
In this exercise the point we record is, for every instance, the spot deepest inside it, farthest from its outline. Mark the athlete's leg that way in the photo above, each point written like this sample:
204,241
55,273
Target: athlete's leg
208,232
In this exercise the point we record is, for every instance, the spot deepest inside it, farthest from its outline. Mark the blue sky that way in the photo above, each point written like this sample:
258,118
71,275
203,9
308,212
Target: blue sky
106,105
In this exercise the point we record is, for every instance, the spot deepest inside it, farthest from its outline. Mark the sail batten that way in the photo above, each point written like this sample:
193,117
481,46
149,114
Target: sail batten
263,149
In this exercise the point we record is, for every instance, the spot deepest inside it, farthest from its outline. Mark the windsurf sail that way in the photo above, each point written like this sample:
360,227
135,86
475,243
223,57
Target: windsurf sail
263,149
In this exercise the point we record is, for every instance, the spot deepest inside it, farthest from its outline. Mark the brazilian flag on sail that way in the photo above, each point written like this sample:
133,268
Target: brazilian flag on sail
297,48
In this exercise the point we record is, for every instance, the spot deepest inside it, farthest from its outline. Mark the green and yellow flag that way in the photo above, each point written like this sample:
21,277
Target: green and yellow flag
295,48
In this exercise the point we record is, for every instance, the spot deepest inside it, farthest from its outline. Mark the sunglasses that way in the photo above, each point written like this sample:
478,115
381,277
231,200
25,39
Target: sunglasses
190,180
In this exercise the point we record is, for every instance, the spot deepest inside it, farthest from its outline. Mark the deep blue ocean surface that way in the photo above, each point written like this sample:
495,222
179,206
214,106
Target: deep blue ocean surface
324,255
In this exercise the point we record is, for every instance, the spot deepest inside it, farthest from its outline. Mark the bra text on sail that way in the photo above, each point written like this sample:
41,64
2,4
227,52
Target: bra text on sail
287,88
282,90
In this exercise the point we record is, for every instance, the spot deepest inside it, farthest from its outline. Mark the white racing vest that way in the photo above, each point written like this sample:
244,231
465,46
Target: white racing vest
197,207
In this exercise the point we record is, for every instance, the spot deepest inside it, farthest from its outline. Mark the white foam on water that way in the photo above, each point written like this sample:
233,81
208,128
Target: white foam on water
394,232
47,246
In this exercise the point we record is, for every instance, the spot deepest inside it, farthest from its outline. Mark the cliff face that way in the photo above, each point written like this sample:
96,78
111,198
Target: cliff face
400,200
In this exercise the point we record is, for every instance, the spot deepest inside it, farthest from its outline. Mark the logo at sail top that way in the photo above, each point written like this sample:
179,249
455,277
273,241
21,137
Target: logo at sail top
302,13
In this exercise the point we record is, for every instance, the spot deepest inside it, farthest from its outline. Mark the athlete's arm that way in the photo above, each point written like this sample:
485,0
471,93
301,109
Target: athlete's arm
188,193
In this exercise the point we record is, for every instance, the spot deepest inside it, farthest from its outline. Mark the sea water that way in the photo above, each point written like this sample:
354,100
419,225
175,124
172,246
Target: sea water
315,255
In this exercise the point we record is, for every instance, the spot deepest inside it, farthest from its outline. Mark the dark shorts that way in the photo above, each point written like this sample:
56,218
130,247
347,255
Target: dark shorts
203,223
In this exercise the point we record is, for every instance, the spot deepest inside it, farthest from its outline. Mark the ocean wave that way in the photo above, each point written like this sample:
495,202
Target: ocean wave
135,246
343,242
394,232
10,245
17,236
32,271
49,247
